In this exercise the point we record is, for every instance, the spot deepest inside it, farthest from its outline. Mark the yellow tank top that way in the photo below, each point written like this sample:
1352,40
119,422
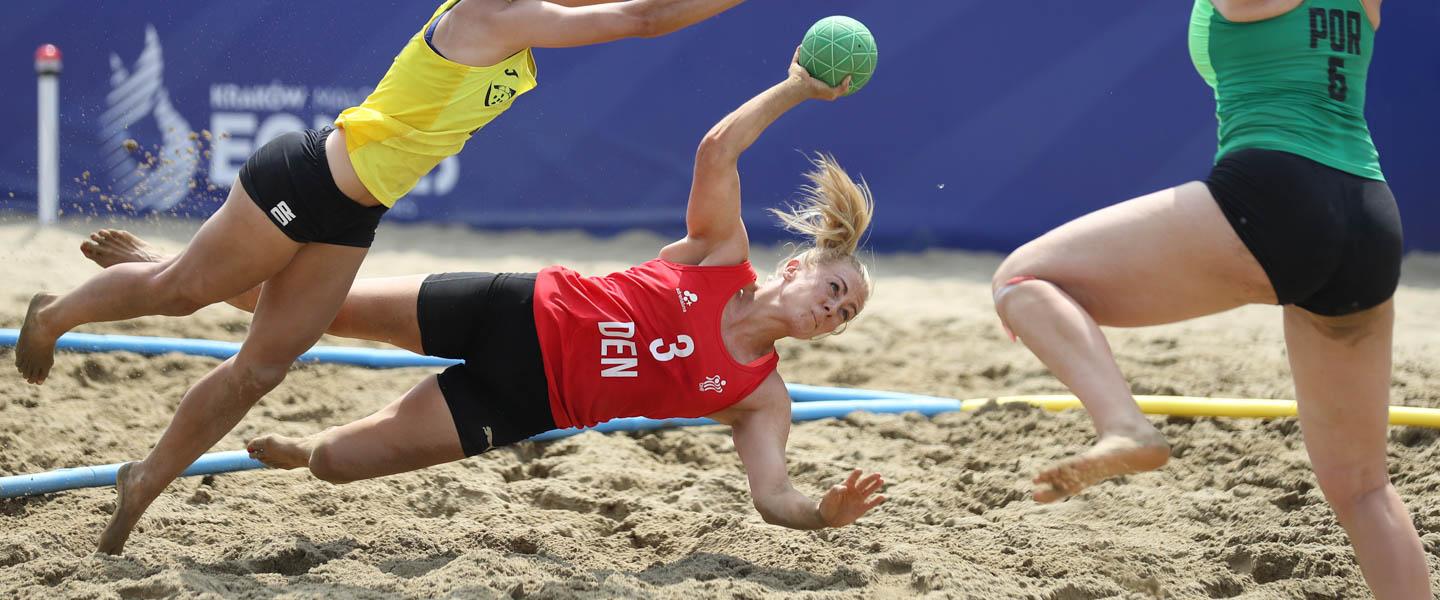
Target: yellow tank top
423,111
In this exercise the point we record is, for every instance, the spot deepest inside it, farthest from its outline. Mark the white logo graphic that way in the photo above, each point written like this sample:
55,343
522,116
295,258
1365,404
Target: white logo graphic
713,384
162,179
687,298
282,213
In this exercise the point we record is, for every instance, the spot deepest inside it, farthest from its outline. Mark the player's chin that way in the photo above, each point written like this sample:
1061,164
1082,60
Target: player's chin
814,333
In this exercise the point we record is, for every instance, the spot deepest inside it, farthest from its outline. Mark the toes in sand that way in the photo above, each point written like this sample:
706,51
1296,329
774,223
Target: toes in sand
1112,456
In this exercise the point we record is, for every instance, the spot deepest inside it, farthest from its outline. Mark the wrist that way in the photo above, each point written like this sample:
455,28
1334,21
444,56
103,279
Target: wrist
794,86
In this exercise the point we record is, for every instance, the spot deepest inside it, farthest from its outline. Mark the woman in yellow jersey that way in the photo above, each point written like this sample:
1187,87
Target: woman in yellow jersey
1295,212
305,212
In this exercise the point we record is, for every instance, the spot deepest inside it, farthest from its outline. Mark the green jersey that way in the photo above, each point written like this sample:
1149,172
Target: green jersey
1295,82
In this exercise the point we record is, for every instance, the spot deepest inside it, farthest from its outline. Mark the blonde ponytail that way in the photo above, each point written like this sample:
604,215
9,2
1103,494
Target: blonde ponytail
834,212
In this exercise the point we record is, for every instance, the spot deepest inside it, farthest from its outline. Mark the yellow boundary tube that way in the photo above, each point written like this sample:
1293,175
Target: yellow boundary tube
1185,406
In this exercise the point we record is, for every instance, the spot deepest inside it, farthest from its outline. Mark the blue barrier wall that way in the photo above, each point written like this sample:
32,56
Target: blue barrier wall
987,123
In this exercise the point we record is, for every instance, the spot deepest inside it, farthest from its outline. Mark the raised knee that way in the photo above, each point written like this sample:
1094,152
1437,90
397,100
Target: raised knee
1021,265
1012,283
1009,269
325,466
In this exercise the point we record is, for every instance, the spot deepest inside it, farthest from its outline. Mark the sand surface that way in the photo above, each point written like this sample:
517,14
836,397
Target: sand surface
668,515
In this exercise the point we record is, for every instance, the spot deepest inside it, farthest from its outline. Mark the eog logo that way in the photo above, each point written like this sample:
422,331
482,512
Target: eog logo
145,175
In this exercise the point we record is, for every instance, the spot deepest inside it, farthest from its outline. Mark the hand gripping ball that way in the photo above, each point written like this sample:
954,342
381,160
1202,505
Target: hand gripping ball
838,46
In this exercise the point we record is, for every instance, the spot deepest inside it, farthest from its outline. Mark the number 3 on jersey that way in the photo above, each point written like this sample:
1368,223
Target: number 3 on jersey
684,346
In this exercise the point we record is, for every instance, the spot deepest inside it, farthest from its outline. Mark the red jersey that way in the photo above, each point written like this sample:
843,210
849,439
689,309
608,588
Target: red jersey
644,342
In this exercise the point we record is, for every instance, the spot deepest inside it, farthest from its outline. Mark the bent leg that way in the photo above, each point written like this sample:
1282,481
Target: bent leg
1159,258
381,309
1342,381
413,432
295,307
236,249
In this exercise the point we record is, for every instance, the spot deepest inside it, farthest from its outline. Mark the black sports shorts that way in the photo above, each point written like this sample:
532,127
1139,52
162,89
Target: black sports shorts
290,181
499,395
1329,241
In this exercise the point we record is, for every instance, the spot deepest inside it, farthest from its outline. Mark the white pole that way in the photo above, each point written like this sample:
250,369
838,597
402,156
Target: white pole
47,68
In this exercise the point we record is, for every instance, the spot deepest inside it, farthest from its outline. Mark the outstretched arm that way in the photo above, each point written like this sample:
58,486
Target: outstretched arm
573,3
715,233
485,32
760,437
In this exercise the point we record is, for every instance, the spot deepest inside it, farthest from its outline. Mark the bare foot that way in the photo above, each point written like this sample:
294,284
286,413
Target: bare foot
108,247
128,509
1114,455
35,350
280,452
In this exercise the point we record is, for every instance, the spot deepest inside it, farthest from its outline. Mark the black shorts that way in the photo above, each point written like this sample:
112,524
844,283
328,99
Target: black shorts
1329,241
289,179
499,395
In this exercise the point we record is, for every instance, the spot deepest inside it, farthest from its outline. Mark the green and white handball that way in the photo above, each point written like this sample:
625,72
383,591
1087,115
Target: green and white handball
838,46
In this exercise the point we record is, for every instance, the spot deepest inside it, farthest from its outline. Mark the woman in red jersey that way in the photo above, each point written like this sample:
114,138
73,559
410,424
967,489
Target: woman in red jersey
688,334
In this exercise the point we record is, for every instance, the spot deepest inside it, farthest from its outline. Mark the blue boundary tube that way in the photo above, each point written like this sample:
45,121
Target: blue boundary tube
238,460
800,392
104,475
364,357
816,402
809,411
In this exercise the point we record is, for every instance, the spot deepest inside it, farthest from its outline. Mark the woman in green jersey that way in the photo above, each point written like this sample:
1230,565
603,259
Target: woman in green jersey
1295,212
